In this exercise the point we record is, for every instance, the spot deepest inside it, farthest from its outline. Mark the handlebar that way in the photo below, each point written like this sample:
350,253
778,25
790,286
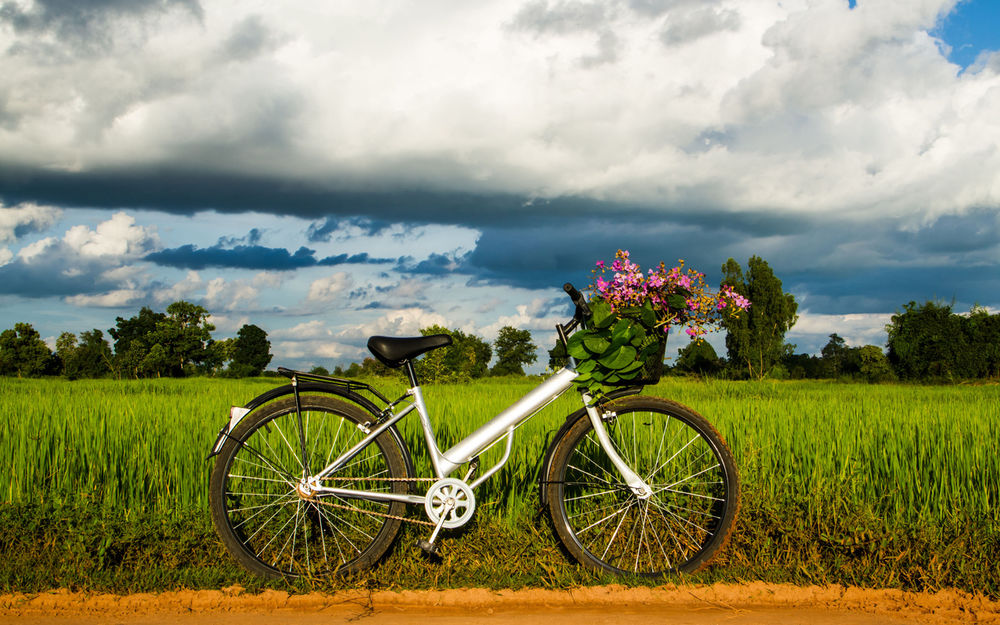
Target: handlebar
582,310
580,315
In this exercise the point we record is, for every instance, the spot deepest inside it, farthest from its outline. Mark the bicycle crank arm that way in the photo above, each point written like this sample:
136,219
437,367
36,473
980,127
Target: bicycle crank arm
639,486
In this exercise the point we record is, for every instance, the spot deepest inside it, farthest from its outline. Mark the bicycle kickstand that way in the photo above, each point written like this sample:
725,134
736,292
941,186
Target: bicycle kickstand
430,546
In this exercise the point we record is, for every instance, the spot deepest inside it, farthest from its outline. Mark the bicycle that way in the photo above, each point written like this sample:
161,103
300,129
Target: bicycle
313,478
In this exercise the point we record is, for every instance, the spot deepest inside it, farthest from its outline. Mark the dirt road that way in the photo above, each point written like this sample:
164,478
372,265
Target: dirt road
747,604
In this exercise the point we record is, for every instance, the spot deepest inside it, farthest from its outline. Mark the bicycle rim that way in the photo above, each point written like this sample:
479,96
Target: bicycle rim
689,515
275,531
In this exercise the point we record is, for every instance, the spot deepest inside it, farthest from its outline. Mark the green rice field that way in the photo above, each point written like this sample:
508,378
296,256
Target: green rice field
888,485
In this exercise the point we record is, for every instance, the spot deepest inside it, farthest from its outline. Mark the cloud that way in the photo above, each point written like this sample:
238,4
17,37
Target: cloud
229,295
181,290
91,25
118,298
252,257
399,322
241,256
305,331
84,262
15,222
688,25
330,287
812,331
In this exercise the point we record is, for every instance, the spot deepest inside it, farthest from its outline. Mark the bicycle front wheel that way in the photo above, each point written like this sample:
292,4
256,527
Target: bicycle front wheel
270,526
681,527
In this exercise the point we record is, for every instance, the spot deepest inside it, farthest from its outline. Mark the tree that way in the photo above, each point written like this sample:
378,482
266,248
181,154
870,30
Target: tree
874,366
928,341
558,358
184,335
983,331
133,338
834,355
251,351
514,349
23,352
466,358
90,359
755,340
698,357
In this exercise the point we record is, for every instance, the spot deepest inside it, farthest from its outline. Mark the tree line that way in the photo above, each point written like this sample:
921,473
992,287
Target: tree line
467,358
925,342
174,343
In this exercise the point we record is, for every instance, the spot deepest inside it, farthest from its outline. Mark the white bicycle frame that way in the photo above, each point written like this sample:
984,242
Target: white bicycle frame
467,449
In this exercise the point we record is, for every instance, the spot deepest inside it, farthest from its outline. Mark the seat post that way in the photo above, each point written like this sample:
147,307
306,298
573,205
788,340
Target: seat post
411,373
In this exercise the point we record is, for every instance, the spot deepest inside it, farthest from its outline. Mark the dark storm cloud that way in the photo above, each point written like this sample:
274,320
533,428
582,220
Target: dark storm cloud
25,280
239,257
190,191
977,230
85,24
323,230
252,257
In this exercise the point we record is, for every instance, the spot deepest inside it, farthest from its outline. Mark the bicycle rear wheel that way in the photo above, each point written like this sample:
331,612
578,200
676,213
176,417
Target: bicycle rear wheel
269,527
681,527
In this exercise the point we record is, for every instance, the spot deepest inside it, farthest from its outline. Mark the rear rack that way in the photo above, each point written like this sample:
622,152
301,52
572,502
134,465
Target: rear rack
347,384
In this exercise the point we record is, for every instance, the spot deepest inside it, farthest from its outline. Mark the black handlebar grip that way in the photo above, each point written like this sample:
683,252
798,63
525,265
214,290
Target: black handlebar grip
578,299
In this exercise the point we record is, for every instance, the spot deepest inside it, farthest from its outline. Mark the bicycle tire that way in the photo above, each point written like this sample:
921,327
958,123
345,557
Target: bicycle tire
274,532
679,529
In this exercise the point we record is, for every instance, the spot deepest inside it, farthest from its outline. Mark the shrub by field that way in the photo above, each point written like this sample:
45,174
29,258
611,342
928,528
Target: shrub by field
874,485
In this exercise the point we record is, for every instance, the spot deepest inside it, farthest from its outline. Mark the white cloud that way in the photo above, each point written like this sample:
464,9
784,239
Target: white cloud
313,351
269,279
5,256
117,237
856,329
112,299
181,290
227,324
231,295
527,318
328,288
37,250
25,217
402,322
305,331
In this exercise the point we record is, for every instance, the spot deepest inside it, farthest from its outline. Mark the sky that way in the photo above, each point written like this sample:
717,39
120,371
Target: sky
332,170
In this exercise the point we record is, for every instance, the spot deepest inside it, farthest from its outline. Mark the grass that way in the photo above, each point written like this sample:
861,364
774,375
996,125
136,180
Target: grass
890,486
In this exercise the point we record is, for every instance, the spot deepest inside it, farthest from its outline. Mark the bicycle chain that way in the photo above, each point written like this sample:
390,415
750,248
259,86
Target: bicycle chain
372,513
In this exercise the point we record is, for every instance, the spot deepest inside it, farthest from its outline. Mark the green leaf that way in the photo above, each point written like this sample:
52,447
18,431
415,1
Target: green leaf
586,366
596,344
575,346
601,315
647,315
632,367
618,358
622,332
677,302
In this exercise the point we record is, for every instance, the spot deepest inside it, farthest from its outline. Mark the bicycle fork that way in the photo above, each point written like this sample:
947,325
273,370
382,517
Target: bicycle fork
639,486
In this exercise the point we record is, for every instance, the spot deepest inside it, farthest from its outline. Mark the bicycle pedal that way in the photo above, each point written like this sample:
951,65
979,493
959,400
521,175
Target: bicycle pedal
429,548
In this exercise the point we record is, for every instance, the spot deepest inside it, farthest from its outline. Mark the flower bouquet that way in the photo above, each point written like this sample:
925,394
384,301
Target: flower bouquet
633,312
